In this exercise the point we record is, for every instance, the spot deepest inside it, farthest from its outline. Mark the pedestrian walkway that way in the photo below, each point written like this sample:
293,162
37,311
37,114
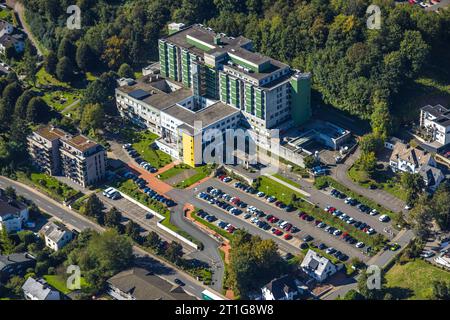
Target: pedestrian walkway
290,186
195,185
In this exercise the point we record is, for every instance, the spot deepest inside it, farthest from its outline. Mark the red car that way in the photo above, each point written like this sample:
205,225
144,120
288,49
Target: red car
332,209
278,232
230,229
305,217
222,177
287,236
288,227
301,214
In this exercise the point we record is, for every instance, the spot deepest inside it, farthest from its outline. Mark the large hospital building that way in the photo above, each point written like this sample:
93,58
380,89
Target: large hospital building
204,76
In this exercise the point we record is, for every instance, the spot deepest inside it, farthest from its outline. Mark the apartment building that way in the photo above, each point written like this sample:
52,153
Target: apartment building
435,120
59,153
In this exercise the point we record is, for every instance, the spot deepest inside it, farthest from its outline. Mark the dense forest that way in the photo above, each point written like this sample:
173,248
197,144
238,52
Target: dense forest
354,68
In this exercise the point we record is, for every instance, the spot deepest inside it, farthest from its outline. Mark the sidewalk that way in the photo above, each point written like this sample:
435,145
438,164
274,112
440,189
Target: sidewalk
153,182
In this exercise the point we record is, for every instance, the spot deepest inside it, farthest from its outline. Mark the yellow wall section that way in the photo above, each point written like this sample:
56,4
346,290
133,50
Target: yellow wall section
188,150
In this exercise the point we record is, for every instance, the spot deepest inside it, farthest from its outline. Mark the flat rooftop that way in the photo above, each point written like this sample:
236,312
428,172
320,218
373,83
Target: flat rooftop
81,143
51,133
157,93
207,116
207,36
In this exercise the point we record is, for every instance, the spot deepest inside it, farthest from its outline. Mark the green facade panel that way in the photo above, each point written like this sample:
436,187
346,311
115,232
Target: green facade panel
301,100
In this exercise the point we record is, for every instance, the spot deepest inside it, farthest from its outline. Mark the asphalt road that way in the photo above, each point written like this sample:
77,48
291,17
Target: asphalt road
80,223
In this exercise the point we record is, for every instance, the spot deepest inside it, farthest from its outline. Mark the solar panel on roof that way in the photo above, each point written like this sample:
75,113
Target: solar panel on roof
139,94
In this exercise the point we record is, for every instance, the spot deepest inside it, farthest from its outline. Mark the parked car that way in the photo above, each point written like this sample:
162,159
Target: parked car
307,238
384,218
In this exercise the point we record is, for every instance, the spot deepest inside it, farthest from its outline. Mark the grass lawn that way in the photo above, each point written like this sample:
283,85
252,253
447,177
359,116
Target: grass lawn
172,172
414,279
142,144
278,190
59,99
50,185
381,180
292,183
202,172
284,194
46,79
59,283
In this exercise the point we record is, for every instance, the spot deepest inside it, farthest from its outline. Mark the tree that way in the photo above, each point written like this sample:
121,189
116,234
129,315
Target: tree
66,49
101,91
368,162
421,216
353,295
413,184
37,110
441,207
51,60
174,252
368,292
20,110
152,240
114,54
381,120
441,290
84,57
10,95
415,50
15,284
64,69
6,243
92,117
113,218
10,192
94,208
309,161
125,71
369,143
132,229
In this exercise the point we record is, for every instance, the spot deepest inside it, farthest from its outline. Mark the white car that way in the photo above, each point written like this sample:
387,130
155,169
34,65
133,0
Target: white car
350,220
359,245
126,146
347,200
227,179
427,254
374,212
370,231
260,194
327,208
337,232
383,218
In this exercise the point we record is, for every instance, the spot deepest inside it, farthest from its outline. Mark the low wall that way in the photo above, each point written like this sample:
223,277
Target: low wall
161,217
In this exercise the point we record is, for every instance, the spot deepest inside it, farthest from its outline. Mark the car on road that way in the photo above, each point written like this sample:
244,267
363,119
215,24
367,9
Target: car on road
179,282
394,247
148,215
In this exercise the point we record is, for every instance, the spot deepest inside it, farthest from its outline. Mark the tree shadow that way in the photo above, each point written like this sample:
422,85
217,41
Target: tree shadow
153,266
400,293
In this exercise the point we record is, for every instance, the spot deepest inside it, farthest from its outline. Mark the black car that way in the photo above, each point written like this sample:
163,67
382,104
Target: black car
337,254
178,282
322,246
304,246
343,257
307,238
209,189
289,208
294,229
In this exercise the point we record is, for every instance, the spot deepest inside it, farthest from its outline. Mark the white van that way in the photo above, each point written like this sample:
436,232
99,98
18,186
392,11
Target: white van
107,191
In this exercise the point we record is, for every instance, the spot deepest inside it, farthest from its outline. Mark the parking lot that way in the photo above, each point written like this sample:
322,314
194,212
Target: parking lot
138,215
305,228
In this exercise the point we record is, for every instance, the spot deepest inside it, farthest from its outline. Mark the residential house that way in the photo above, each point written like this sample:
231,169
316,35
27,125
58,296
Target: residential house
56,235
10,37
39,290
13,214
283,288
141,284
317,267
15,264
435,121
405,158
443,259
431,176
